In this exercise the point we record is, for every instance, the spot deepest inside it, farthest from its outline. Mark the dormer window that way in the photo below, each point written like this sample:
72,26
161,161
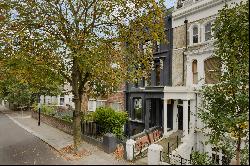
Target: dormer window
208,32
195,34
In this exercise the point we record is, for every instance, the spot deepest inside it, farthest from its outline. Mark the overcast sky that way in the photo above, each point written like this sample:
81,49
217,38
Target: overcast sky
169,3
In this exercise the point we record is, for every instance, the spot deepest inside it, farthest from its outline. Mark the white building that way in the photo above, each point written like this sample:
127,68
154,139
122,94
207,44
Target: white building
61,100
192,67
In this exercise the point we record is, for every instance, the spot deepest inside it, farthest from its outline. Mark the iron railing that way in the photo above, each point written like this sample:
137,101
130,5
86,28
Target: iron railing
91,129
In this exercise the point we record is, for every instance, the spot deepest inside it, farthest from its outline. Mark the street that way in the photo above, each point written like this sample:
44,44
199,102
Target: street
17,146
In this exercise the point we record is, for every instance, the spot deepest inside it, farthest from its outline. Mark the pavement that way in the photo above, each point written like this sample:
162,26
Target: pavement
19,147
44,134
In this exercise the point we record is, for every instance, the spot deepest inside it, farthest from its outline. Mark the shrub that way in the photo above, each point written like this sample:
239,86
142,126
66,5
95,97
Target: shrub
199,158
67,118
90,116
35,106
47,110
110,121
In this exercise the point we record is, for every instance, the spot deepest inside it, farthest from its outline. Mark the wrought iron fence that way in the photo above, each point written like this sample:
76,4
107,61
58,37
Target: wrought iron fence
91,129
178,160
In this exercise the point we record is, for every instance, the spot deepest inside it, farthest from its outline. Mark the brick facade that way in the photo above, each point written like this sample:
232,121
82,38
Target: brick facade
118,97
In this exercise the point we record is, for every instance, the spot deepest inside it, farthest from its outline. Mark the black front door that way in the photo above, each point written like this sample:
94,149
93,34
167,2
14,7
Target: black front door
180,117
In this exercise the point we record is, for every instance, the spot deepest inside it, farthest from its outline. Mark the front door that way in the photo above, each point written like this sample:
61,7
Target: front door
180,117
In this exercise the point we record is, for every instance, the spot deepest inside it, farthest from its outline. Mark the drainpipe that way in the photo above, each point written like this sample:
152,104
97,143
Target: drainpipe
196,119
183,59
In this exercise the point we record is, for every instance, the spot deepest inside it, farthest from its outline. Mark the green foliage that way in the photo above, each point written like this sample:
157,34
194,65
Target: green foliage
110,121
67,118
89,117
35,106
15,92
80,42
48,110
199,158
244,158
225,105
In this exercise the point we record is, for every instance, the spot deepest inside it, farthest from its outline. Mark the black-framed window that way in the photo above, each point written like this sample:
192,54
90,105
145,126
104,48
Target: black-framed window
158,74
137,109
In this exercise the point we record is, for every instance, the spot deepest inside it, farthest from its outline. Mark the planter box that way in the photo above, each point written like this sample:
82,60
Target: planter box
54,122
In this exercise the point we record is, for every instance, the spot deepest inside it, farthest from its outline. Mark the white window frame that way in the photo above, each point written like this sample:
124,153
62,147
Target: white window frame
203,30
190,30
93,107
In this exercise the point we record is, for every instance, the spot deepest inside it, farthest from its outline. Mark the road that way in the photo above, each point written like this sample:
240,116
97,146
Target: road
17,146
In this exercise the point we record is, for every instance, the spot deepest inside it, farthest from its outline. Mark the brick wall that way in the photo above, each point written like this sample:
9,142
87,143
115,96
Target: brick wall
54,122
117,97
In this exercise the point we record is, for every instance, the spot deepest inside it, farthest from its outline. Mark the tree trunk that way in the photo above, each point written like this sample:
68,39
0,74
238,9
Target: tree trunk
238,151
77,100
77,124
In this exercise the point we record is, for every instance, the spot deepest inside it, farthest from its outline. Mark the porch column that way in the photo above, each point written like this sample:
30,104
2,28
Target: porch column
175,118
185,117
165,116
147,103
192,115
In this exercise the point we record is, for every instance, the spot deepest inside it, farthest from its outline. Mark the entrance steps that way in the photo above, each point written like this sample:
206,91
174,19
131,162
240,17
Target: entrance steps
172,139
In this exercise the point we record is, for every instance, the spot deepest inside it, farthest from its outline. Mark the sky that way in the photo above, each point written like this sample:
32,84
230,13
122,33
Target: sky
169,3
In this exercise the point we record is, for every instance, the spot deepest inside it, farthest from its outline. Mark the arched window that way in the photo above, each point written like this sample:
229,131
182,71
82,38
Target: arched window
195,34
208,31
212,67
195,72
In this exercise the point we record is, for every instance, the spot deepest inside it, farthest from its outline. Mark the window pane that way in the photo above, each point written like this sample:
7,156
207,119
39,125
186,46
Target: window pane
195,31
195,39
158,75
91,105
208,36
208,27
100,104
138,109
61,101
116,106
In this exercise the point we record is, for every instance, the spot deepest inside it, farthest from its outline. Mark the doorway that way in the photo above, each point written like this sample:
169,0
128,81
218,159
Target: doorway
180,117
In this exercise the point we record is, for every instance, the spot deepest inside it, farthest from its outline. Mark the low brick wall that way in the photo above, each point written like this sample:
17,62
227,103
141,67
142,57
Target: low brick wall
54,122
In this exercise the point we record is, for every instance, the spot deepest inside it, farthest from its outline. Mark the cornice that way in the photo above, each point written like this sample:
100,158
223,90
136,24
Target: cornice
196,9
202,49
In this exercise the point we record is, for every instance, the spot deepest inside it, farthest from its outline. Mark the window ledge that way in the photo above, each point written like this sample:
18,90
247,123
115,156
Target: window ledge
137,121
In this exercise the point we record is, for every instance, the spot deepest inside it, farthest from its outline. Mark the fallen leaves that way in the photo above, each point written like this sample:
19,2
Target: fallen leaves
69,154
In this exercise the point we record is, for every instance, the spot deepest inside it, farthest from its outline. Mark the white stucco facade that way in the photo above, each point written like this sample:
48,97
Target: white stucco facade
198,13
65,99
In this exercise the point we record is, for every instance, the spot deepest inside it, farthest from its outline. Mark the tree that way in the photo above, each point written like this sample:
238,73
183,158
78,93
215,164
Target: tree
90,43
226,104
22,79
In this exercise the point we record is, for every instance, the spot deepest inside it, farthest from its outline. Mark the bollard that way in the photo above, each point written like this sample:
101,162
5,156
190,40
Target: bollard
130,145
109,143
39,114
154,154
